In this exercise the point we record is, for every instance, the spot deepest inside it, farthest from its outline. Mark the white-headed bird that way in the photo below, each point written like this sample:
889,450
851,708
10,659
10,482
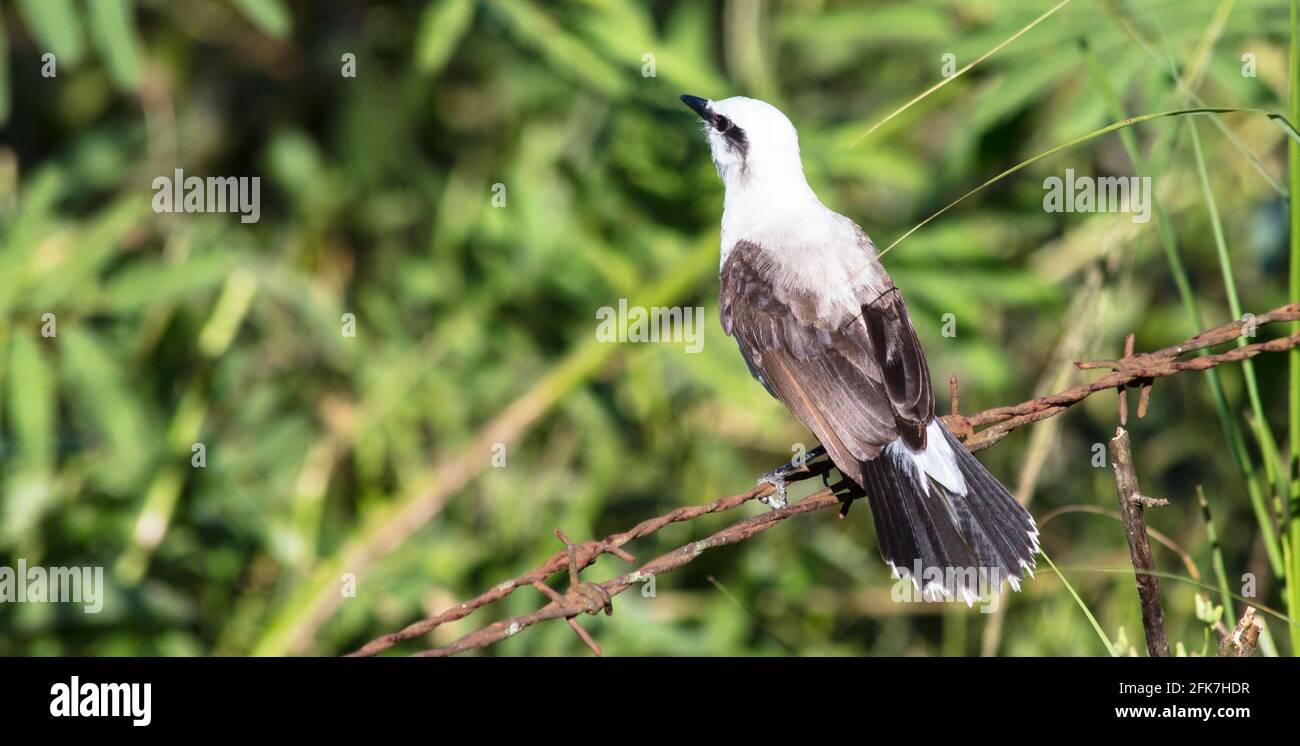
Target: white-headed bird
823,328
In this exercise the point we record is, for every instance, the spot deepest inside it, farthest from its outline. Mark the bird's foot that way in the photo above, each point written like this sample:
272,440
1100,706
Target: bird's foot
776,478
780,475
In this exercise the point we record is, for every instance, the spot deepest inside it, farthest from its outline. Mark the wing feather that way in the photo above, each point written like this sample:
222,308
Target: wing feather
832,374
902,362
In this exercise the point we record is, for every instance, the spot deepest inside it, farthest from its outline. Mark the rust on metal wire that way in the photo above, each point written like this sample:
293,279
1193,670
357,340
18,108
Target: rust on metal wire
1133,370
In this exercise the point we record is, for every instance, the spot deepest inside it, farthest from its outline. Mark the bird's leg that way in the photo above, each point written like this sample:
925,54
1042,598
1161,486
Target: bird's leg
777,477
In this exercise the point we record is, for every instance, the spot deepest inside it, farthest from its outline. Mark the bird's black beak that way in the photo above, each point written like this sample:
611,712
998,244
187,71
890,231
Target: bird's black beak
700,105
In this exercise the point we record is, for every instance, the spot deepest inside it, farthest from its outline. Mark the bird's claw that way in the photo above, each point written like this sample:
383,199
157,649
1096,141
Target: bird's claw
776,478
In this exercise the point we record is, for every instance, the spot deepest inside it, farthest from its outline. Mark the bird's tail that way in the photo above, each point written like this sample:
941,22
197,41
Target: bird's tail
945,522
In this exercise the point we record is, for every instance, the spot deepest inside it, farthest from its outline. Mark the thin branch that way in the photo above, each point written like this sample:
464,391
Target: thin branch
1134,371
1139,549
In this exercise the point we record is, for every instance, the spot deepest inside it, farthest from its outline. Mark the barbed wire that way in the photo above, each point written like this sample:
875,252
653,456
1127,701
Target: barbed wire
1132,371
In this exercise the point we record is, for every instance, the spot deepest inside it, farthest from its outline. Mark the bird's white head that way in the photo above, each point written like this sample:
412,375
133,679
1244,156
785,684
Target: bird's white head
753,143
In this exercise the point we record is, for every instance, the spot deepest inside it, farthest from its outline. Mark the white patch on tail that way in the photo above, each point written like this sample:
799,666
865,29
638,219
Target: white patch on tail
936,460
935,590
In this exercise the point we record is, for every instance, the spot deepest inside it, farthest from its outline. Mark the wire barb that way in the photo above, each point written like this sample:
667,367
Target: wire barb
591,598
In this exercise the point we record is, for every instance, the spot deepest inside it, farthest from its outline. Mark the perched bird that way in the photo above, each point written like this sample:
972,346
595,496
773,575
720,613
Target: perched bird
823,328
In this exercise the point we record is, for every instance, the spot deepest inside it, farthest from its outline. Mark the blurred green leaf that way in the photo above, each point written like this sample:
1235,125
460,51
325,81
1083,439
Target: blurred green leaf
32,400
112,26
442,26
538,30
438,235
55,25
146,284
271,16
102,390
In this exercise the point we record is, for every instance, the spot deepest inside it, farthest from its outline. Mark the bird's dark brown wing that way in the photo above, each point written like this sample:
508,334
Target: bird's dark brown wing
856,382
902,364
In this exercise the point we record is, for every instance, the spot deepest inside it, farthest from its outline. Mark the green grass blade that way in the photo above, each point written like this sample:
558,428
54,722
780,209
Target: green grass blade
1216,553
56,28
1293,357
1169,243
1195,583
271,16
1268,445
1110,647
441,27
1171,69
113,30
1081,139
1024,30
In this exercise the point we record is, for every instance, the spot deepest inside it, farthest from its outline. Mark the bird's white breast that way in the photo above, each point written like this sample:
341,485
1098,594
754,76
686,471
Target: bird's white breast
810,249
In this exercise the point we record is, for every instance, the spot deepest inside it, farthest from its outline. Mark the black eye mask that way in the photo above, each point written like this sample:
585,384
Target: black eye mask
734,135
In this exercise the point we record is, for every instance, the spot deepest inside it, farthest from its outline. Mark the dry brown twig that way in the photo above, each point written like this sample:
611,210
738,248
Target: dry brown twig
1243,640
1132,511
1131,371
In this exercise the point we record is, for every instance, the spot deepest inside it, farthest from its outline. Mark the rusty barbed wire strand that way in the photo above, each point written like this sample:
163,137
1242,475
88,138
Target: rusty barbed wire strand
1139,370
584,555
1136,370
570,607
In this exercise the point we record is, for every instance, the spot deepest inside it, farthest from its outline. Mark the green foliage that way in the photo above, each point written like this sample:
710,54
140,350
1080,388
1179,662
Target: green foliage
371,455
